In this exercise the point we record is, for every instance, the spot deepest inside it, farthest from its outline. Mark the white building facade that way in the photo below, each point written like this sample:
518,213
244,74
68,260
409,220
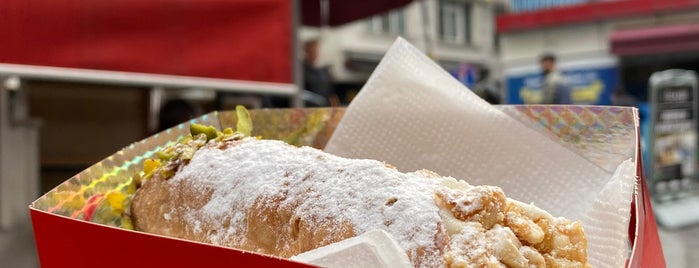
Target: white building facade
458,34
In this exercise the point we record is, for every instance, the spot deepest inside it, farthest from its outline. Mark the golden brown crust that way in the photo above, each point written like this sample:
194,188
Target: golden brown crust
154,209
271,229
477,225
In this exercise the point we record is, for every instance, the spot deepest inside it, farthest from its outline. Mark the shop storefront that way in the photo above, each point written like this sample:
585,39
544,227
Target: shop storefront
629,41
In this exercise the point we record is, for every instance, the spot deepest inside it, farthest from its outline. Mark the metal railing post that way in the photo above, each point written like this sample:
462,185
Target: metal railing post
155,101
297,68
19,152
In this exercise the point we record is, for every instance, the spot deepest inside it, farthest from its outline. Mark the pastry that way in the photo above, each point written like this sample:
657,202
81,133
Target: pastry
270,197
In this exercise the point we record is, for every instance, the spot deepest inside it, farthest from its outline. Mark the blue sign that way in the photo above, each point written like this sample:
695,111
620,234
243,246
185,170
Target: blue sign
466,74
587,86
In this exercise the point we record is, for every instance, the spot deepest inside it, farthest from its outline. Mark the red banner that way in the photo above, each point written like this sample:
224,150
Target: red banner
231,39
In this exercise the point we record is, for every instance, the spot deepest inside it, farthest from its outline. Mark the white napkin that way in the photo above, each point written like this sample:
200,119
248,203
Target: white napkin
414,115
375,249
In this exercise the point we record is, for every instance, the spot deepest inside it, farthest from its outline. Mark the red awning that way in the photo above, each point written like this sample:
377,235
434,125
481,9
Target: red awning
341,12
654,40
588,12
231,39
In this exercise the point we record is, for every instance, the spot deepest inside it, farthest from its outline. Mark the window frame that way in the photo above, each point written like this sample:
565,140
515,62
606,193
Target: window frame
455,22
392,23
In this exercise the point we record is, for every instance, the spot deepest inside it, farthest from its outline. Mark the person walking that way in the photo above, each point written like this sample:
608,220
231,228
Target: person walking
554,88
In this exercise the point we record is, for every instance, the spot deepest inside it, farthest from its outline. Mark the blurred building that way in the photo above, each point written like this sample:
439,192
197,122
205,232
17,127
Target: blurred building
602,45
458,34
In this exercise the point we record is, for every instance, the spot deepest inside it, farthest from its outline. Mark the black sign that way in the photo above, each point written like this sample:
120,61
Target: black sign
675,95
676,113
674,127
674,109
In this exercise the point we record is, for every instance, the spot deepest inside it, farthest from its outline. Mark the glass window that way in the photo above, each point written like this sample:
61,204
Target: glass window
454,21
392,22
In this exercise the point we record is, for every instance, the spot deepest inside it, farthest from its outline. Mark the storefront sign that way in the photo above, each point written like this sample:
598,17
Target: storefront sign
466,73
674,141
586,86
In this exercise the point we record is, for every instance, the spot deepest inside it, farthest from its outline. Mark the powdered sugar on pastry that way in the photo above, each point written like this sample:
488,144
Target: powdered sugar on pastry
316,187
270,197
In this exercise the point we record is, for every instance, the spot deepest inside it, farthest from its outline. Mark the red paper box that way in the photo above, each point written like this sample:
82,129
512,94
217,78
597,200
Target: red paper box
71,226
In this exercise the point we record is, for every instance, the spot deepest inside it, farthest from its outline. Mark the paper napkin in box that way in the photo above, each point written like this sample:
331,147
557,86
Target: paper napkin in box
414,115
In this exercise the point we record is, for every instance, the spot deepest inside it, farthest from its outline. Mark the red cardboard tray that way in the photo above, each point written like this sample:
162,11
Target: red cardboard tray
72,226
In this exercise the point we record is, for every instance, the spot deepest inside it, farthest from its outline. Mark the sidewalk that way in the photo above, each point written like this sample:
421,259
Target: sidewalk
680,246
17,247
